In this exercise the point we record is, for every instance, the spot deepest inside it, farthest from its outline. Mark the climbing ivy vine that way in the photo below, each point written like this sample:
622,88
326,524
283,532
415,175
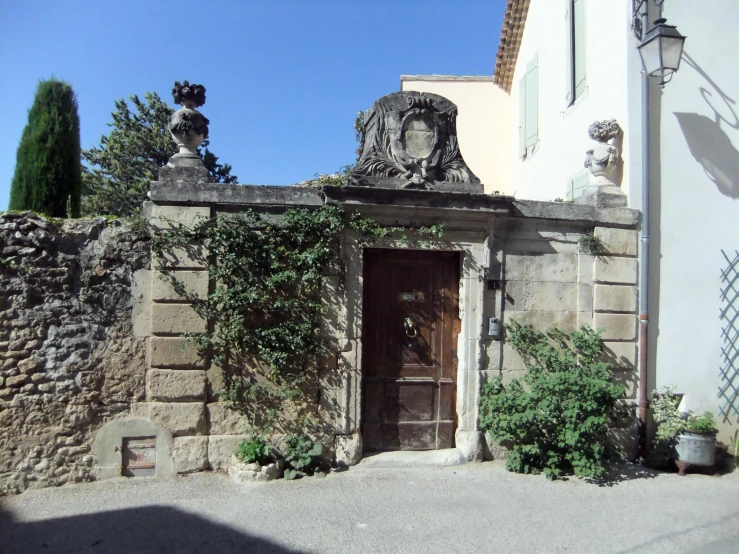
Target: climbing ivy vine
264,306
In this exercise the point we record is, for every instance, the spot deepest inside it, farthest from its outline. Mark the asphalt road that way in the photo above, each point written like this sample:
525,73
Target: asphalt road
477,508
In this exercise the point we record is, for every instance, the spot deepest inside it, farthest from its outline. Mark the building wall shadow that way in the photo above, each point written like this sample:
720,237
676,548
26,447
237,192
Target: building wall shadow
142,530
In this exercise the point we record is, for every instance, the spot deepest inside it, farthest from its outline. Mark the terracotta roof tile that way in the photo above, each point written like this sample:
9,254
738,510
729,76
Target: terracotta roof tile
511,33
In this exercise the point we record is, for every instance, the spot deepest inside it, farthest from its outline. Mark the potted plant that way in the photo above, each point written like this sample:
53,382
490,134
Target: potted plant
686,438
695,445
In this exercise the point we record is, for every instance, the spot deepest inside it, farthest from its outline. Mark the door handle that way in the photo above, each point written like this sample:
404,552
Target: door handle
410,327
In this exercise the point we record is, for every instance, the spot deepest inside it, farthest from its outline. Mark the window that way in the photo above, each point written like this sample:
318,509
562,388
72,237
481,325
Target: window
576,185
528,107
576,50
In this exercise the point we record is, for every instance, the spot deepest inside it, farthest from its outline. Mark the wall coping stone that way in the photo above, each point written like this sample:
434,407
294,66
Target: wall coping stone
184,193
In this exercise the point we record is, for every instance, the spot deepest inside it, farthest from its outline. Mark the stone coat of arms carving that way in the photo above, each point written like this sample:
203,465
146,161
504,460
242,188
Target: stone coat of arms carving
411,142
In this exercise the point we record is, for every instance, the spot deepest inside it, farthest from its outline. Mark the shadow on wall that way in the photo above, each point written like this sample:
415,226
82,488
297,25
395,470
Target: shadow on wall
145,529
712,148
708,142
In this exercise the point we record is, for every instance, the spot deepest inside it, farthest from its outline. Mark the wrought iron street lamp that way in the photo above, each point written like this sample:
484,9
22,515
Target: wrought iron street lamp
661,51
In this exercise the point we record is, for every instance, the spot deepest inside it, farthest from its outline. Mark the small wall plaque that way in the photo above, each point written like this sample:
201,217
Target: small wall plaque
411,297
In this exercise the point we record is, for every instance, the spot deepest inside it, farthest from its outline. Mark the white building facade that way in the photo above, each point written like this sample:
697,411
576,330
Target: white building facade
564,64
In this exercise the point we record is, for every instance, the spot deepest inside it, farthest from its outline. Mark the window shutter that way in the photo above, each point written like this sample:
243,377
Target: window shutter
577,185
570,43
579,35
532,103
522,117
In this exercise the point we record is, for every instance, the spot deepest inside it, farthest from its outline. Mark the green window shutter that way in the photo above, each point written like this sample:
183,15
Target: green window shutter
570,43
577,185
522,117
578,17
532,103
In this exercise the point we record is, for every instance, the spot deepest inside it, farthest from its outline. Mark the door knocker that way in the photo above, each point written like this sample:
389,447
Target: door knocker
410,327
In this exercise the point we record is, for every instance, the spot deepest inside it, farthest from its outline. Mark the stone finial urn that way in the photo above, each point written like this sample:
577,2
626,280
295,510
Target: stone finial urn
187,125
603,157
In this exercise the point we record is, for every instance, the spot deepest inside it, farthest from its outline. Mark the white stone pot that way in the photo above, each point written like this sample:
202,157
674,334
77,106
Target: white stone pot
187,141
695,449
602,163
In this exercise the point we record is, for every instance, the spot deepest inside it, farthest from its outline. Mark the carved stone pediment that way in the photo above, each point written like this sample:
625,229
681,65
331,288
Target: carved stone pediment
411,142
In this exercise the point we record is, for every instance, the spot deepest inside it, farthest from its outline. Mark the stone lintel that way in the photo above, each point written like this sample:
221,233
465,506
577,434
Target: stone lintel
418,199
621,217
165,192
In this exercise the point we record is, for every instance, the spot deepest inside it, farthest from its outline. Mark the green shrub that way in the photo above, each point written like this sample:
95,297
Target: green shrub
255,450
48,174
302,456
556,416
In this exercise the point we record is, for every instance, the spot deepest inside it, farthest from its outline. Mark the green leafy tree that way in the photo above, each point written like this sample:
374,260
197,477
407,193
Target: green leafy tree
128,159
47,175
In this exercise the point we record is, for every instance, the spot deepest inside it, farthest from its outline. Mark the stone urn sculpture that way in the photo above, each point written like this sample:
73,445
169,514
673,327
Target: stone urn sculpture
187,125
603,158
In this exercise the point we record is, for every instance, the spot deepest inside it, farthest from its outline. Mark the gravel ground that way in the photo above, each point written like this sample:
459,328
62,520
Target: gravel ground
476,508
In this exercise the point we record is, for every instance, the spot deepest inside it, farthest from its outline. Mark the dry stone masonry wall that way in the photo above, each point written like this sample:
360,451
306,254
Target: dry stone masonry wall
68,356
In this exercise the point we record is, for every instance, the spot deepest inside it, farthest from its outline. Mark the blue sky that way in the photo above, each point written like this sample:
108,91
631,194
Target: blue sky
284,79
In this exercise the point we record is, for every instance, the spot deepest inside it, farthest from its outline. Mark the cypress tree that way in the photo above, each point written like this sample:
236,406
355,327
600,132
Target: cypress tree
47,176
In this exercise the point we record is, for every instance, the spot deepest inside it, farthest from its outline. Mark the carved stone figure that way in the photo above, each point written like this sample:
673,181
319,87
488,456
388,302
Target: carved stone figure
187,125
603,158
411,142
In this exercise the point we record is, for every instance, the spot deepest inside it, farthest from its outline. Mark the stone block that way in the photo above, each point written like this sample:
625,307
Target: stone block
511,359
629,379
546,296
621,355
493,450
333,324
348,449
618,242
195,283
493,354
221,449
584,319
615,298
584,298
541,321
190,454
619,271
625,440
253,473
339,398
543,267
541,246
106,448
175,319
194,256
470,444
172,385
141,298
616,326
223,420
170,217
181,419
214,383
174,353
585,264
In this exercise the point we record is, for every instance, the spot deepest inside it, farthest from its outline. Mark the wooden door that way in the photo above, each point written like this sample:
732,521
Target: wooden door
409,329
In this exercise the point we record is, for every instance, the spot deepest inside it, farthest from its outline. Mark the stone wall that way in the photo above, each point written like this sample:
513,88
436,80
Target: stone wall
68,356
547,281
90,335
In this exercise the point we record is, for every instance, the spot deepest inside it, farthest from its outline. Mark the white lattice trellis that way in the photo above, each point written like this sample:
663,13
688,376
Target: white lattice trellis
728,391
